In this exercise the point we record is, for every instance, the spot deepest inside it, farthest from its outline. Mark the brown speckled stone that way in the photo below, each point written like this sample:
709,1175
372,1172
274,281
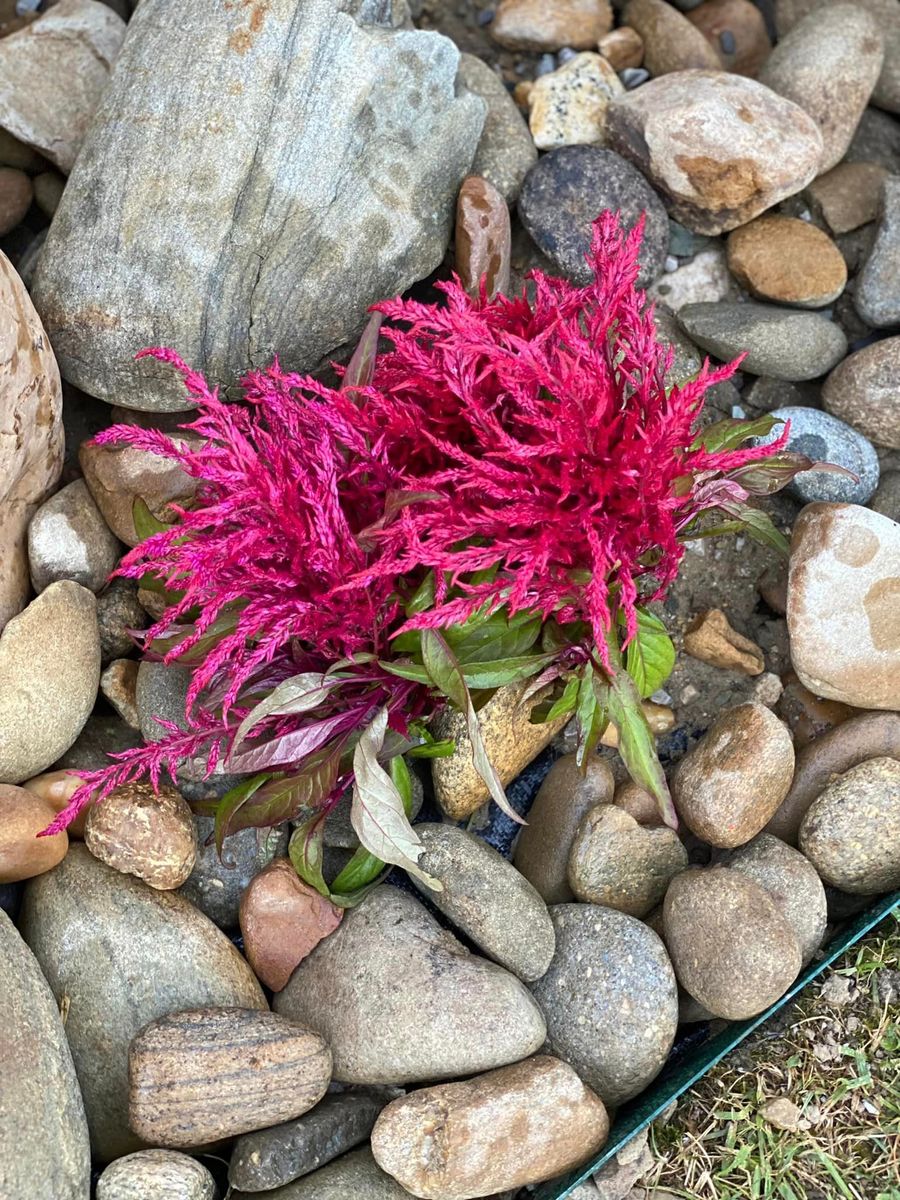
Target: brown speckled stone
618,863
509,737
623,47
156,1175
567,793
506,1129
195,1077
731,783
731,947
141,832
637,803
787,261
792,882
851,833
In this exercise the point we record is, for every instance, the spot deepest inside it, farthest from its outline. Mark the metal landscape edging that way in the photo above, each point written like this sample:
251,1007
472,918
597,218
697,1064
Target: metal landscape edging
689,1061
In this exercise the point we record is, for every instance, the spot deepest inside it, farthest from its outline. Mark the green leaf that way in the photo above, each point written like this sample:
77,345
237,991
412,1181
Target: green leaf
145,524
637,745
422,598
306,849
480,675
232,802
405,669
591,713
759,526
490,638
299,694
441,749
447,677
730,433
377,813
564,704
650,655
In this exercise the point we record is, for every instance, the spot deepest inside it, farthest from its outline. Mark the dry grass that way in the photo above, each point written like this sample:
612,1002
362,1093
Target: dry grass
837,1058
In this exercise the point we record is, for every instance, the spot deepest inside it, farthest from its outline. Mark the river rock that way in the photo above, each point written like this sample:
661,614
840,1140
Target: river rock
622,47
711,638
847,196
618,863
216,884
671,42
609,998
30,401
702,279
567,793
788,261
195,1077
356,1175
365,987
824,438
567,107
156,1175
48,189
720,148
876,297
118,685
143,832
828,65
119,615
566,189
269,1158
241,245
737,31
536,26
44,1147
845,575
792,882
53,73
877,140
511,1127
731,947
779,342
806,714
482,238
506,150
161,695
641,805
862,390
16,194
49,674
887,496
124,954
69,539
729,785
487,899
282,920
119,475
511,741
23,814
14,153
851,833
57,788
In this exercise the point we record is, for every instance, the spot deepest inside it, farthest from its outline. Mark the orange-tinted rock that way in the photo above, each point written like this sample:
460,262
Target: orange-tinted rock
623,47
710,638
482,237
736,30
144,833
58,788
22,817
671,43
788,261
283,919
535,25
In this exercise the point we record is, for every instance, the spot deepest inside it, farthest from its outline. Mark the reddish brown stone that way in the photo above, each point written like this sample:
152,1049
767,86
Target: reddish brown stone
22,817
482,237
58,788
716,19
15,197
283,919
787,260
711,639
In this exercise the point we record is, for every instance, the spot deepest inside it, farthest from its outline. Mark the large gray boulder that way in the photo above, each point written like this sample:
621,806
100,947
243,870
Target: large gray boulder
249,186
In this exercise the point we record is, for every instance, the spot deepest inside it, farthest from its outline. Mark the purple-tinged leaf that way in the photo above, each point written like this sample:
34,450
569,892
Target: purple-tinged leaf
361,367
289,748
231,803
770,475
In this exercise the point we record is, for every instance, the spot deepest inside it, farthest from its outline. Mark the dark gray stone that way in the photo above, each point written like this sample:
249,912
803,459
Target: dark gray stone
887,496
272,1157
609,998
568,188
877,295
118,611
294,165
824,438
780,342
216,884
100,737
356,1175
160,693
877,140
44,1147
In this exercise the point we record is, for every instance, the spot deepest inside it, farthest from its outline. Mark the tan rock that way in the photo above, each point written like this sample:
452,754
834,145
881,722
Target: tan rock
156,1175
48,189
568,106
729,785
787,260
211,1073
16,194
57,788
862,390
744,22
660,718
869,735
637,803
671,42
847,196
567,793
30,401
620,864
118,684
53,73
118,475
710,638
482,240
282,920
844,604
503,1130
23,854
512,741
623,47
731,947
144,833
721,148
807,715
535,25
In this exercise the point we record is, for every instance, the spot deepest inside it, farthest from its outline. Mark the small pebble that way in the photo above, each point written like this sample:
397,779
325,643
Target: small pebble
633,77
485,16
545,64
565,54
568,106
671,263
727,42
